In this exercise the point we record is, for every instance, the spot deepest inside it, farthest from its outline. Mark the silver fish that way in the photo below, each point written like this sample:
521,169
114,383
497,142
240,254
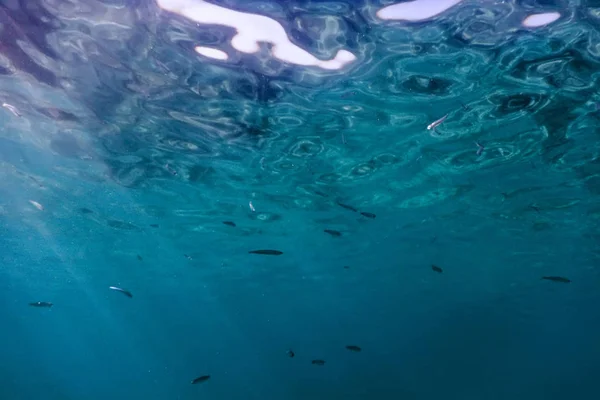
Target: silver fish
118,289
435,123
480,148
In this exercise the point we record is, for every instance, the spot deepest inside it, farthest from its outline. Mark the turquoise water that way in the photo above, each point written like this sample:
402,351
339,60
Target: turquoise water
130,158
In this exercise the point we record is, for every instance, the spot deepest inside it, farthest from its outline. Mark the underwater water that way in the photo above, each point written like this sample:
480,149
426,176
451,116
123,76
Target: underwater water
299,200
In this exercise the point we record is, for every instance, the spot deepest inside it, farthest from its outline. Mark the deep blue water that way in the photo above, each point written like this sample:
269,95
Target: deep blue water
123,151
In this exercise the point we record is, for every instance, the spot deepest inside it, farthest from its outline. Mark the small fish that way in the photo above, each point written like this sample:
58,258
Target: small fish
353,348
251,206
41,304
140,258
229,223
535,208
368,214
557,279
436,123
37,205
437,269
113,223
343,138
348,94
480,148
200,379
318,362
267,252
12,109
347,207
84,210
188,257
125,292
346,267
333,232
154,225
290,353
171,170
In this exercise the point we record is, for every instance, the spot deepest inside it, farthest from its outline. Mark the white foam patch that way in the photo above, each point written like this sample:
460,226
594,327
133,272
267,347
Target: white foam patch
252,29
211,52
537,20
417,10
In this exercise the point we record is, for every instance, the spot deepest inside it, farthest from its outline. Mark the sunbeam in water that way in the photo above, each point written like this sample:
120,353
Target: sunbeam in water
300,200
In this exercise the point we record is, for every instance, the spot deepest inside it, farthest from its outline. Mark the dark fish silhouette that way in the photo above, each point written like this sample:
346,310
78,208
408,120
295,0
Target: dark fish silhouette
85,210
368,214
346,206
229,223
291,353
556,279
353,348
41,304
200,379
346,267
140,258
437,269
267,252
188,257
154,225
125,292
318,362
333,232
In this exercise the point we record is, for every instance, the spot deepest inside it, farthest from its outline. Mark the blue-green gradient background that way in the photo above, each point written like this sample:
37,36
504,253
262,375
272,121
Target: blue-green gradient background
110,92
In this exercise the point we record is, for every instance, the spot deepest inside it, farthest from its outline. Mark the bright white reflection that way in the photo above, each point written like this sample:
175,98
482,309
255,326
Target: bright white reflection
417,10
251,30
537,20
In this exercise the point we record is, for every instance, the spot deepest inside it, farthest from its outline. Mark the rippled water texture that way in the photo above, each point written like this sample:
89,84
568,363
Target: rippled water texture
299,199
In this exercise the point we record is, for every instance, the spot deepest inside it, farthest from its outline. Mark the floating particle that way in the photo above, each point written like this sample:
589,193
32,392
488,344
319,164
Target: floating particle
332,232
125,292
267,252
437,269
251,206
557,279
41,304
37,205
200,379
